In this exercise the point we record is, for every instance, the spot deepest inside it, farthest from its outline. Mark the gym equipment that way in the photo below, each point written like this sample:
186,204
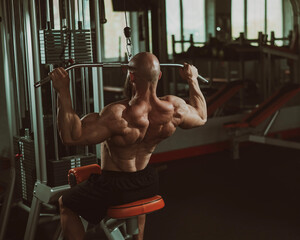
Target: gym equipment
58,46
56,170
110,65
223,95
122,221
247,128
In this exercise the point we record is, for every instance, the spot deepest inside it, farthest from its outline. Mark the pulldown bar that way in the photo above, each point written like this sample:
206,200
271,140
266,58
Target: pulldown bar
110,65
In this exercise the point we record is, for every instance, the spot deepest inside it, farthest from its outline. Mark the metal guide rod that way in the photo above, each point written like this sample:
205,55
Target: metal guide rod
4,44
53,100
111,65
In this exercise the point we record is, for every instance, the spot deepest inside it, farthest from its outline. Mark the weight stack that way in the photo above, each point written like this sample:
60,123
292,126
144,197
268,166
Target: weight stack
25,168
58,170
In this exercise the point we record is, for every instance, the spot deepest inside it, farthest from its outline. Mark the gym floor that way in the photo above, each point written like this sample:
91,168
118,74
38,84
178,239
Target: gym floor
212,197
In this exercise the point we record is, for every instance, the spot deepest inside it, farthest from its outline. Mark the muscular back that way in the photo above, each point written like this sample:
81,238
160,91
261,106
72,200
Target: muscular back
130,130
137,129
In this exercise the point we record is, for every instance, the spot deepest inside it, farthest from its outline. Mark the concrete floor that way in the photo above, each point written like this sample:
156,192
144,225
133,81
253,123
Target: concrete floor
215,198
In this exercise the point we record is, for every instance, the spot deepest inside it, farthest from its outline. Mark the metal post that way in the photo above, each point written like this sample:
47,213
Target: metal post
245,18
181,25
83,90
19,115
134,35
266,19
79,8
53,94
55,136
36,97
87,90
23,53
296,19
37,113
270,124
97,72
84,100
11,120
72,22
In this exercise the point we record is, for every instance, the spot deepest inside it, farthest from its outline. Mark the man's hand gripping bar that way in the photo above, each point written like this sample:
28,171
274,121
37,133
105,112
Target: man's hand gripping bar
110,65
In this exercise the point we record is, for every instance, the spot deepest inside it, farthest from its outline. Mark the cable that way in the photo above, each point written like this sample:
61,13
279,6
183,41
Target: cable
127,33
124,1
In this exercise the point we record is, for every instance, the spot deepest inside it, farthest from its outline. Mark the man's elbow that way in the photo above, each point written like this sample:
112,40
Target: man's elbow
201,122
202,118
67,142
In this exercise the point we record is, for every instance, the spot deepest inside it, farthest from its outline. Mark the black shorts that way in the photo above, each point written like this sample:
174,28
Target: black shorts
91,198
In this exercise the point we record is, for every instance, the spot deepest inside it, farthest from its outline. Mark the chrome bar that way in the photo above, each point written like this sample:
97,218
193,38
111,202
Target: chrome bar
23,54
79,9
112,65
271,122
87,90
5,211
53,101
37,96
98,92
30,19
14,37
84,99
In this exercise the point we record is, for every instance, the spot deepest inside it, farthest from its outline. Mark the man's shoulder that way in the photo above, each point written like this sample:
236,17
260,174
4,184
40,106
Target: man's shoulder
172,99
117,105
115,108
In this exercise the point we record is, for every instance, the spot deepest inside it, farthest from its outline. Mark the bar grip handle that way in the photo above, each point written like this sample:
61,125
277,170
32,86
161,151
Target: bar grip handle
43,81
202,79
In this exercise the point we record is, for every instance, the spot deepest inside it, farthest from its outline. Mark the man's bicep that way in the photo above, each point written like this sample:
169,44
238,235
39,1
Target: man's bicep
187,114
190,118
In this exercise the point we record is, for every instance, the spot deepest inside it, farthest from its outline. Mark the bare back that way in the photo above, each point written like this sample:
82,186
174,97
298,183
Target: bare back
139,128
130,130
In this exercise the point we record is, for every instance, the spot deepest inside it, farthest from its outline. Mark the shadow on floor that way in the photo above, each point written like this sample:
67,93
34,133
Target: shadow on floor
215,198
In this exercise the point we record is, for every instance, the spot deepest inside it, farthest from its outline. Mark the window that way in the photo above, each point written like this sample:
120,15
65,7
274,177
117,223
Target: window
256,18
56,14
194,19
237,17
82,13
173,23
114,40
274,10
261,16
191,21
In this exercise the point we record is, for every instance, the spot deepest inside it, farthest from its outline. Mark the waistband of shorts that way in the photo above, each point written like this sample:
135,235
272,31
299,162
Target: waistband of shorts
147,170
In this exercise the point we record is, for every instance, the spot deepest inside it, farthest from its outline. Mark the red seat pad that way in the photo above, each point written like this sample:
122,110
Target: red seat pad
83,173
140,207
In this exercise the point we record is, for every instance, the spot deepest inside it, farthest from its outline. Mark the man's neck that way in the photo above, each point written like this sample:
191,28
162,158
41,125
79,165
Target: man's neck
146,95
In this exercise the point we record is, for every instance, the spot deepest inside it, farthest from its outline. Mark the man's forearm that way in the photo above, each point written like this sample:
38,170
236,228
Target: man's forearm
196,99
69,124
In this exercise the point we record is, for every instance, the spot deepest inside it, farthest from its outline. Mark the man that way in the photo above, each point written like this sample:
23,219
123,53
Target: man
129,131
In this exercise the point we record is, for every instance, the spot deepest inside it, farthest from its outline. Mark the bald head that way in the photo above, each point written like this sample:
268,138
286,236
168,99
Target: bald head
145,66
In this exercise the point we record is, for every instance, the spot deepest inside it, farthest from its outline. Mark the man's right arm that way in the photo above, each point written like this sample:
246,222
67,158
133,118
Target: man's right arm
92,129
193,114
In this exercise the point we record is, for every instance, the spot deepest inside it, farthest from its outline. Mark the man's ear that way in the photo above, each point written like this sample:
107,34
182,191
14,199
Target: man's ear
160,74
